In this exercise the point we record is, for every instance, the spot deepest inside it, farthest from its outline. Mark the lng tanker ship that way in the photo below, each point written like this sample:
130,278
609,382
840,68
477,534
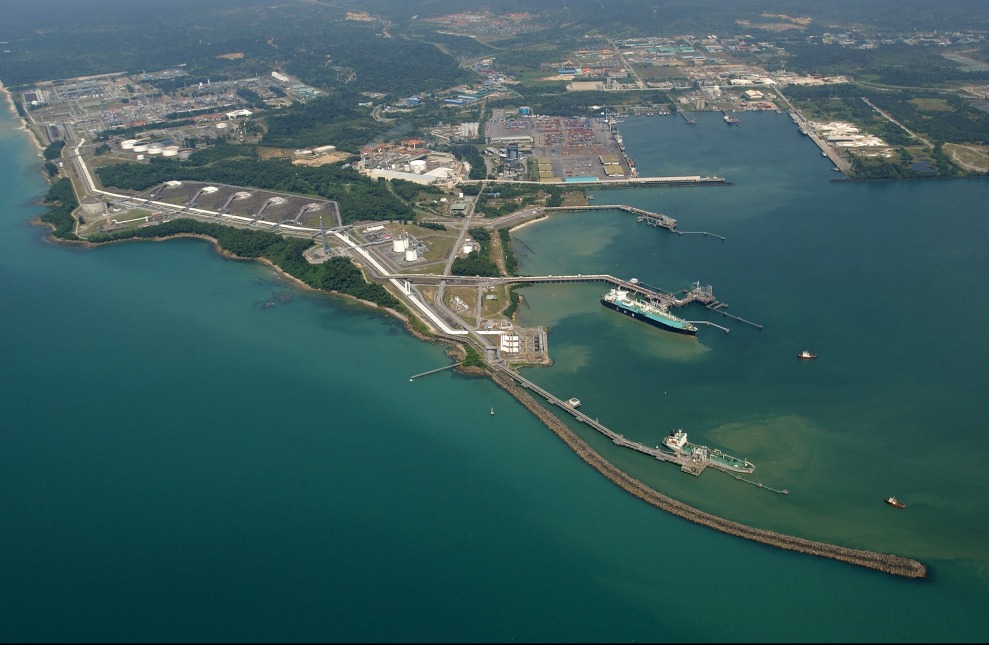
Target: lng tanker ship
677,442
620,300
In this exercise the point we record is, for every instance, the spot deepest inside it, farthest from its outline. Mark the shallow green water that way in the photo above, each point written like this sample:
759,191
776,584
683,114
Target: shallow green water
179,463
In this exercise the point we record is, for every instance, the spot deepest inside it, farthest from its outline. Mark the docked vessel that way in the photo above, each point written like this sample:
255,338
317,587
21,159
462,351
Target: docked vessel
806,354
892,501
732,120
677,442
574,402
657,316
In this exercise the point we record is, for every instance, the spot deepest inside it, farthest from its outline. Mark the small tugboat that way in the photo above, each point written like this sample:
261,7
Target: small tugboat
492,411
892,501
806,354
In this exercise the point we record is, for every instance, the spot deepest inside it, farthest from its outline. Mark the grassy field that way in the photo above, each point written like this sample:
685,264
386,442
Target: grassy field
972,157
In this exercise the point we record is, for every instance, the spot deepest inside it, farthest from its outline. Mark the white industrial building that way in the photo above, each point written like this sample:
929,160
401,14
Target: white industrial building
510,343
425,179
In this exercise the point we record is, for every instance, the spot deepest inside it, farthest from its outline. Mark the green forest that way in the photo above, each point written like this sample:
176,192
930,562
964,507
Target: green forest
941,116
61,200
335,118
477,262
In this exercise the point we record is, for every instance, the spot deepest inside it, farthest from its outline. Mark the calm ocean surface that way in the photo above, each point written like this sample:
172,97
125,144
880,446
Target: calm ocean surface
179,463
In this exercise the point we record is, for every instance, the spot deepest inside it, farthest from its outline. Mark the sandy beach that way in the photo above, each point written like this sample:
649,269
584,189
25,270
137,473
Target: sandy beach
519,227
24,126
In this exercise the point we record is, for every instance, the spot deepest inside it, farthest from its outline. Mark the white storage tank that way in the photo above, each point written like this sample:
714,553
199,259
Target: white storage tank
418,166
185,154
411,255
128,144
400,244
170,151
140,157
156,148
140,147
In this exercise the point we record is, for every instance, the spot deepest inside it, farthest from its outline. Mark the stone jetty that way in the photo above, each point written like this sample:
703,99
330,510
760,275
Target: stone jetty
887,563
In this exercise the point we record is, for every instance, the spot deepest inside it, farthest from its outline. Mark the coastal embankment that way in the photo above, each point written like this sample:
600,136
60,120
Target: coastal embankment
24,124
887,563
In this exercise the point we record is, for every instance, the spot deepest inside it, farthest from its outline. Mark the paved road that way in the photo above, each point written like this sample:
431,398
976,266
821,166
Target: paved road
628,66
441,288
897,123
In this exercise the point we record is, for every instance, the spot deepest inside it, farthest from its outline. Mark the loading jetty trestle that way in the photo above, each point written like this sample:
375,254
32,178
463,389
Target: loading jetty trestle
657,220
697,293
690,464
438,369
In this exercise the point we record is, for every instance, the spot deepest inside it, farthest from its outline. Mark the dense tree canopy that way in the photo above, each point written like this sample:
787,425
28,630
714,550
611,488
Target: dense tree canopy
61,198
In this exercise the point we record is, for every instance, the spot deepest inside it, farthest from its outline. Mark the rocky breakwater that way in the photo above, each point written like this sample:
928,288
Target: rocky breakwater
887,563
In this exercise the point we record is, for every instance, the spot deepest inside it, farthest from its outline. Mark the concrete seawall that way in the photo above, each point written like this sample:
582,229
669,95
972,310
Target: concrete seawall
887,563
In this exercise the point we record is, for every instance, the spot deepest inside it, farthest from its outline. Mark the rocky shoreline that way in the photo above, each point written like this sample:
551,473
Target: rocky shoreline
887,563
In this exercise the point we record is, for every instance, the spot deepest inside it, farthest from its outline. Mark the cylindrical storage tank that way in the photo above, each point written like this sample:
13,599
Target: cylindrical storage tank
185,154
411,255
141,147
418,166
398,244
140,157
170,151
128,144
156,148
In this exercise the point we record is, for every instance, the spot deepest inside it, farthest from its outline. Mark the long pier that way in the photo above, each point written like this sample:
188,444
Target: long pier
688,180
718,308
651,218
692,465
884,562
438,369
697,293
657,220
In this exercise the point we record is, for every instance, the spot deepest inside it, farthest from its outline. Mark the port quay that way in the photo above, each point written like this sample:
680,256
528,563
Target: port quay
521,388
699,294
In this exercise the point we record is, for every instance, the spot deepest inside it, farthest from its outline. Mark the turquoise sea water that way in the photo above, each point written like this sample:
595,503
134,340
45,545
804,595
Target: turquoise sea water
179,463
